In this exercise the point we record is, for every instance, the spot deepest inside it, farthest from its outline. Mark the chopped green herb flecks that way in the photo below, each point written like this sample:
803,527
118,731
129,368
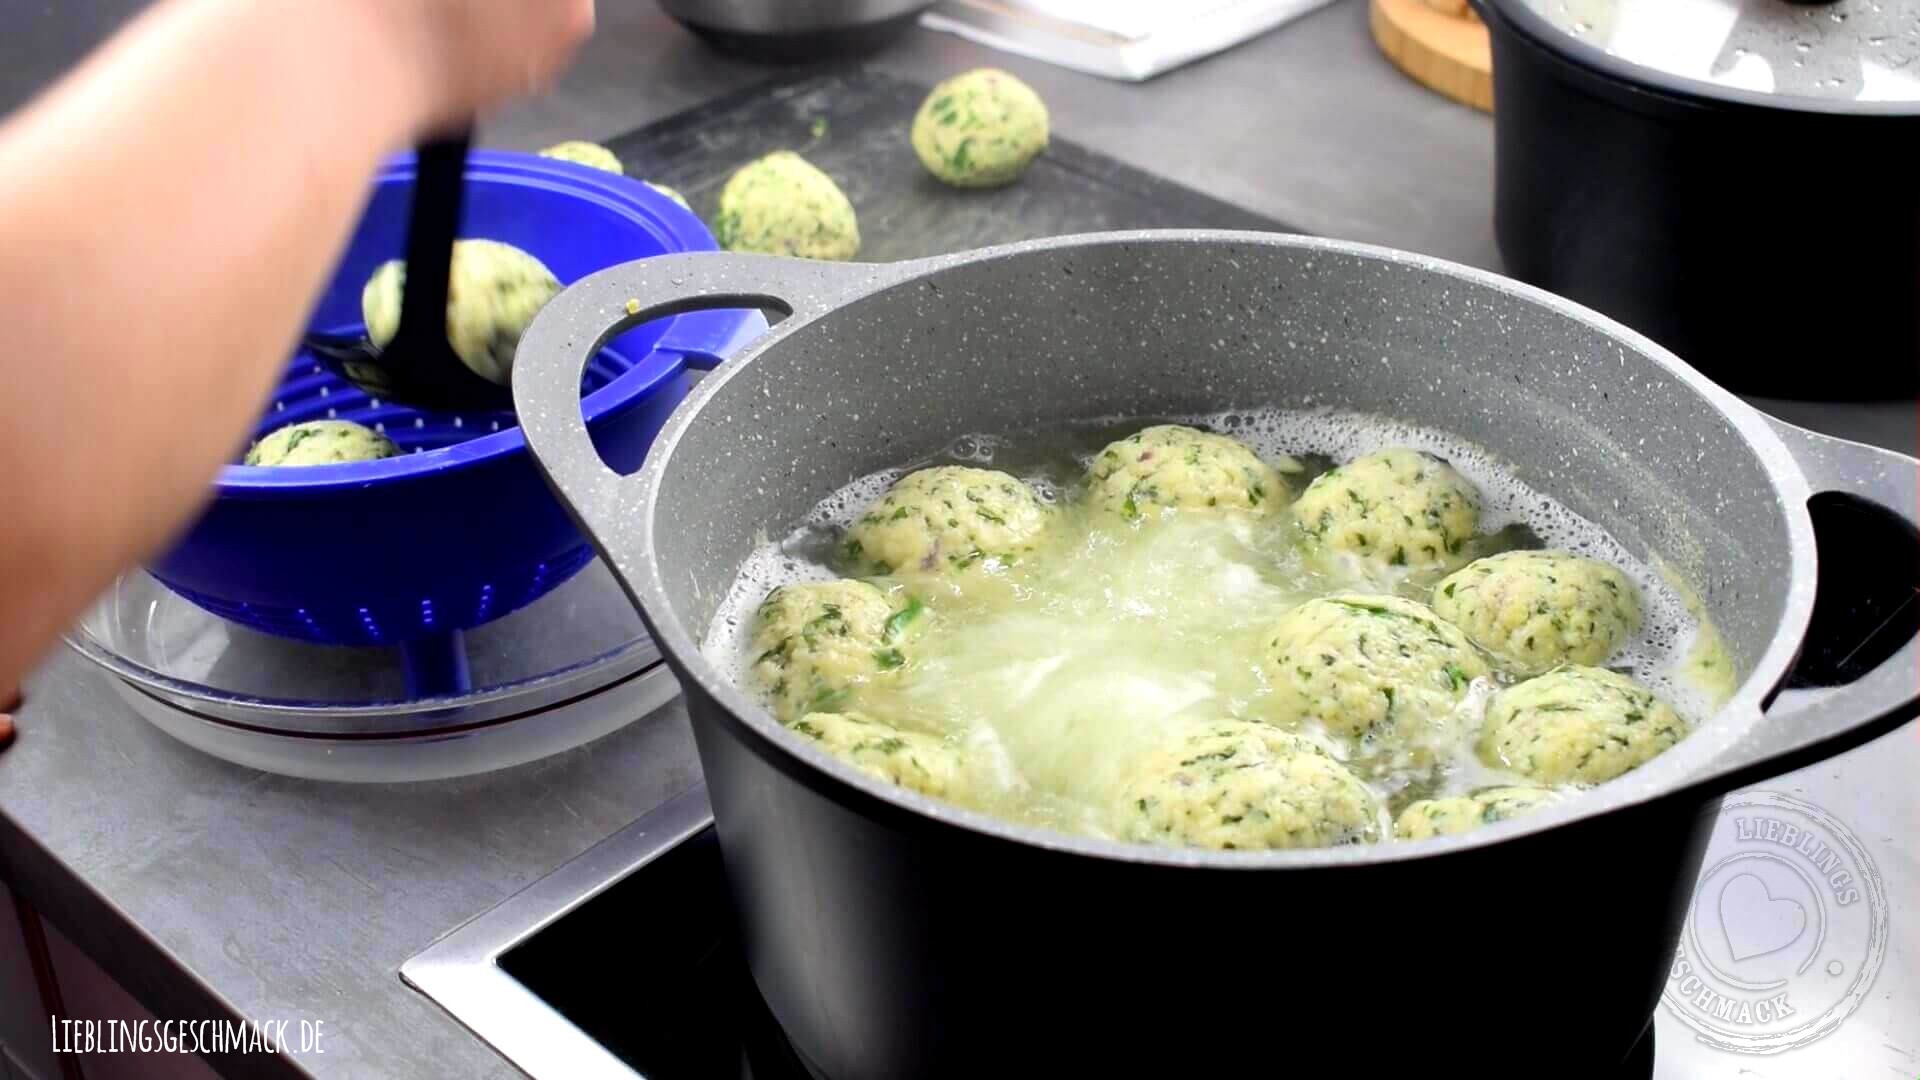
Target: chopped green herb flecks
979,131
898,622
828,700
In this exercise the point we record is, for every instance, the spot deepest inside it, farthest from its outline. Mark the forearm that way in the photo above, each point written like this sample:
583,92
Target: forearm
167,215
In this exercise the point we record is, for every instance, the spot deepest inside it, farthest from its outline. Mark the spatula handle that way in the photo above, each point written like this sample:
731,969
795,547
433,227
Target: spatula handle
433,226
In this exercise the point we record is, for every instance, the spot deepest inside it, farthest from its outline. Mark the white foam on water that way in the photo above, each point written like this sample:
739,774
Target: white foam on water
1656,655
1050,463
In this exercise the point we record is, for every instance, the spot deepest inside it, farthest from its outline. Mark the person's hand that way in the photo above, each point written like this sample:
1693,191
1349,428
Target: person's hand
6,721
474,54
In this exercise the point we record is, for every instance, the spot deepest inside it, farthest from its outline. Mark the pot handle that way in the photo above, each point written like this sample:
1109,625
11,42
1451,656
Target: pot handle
1839,718
572,327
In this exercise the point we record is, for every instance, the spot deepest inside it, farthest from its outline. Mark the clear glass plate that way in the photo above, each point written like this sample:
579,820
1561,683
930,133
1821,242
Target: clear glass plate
568,668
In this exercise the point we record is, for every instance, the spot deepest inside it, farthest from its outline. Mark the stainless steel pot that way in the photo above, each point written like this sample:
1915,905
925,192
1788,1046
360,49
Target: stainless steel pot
896,936
796,30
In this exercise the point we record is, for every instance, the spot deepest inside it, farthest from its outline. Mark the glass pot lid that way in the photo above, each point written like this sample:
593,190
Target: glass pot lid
1812,54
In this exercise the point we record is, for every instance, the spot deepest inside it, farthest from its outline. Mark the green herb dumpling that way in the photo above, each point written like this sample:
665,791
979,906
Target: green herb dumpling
947,520
669,193
1170,467
1537,610
910,759
1577,725
782,205
1384,673
1465,813
1244,786
981,128
816,643
493,292
1397,507
581,152
320,442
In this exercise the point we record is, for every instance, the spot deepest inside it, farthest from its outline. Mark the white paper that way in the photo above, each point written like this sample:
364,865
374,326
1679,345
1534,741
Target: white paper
1133,20
1131,40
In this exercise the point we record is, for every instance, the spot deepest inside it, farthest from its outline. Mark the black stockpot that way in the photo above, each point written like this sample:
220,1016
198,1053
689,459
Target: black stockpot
896,936
1771,241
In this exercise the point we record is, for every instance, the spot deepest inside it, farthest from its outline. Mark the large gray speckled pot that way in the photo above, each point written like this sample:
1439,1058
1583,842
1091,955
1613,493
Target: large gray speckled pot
895,936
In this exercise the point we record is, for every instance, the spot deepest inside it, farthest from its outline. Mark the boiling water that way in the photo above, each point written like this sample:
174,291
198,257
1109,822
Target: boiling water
1068,665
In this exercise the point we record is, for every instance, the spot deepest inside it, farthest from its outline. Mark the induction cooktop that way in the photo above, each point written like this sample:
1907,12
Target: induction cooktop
623,964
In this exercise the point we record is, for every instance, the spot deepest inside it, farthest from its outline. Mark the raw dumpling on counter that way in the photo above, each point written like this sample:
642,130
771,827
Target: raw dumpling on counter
1170,467
321,442
782,205
980,129
493,291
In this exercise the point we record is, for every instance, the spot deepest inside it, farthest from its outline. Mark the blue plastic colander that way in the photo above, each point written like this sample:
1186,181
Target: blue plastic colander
460,529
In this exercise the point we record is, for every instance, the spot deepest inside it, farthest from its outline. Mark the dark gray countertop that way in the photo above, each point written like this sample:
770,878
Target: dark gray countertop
208,888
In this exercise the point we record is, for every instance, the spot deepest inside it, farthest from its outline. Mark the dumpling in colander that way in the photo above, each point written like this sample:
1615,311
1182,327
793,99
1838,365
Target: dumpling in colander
669,193
320,442
581,152
493,291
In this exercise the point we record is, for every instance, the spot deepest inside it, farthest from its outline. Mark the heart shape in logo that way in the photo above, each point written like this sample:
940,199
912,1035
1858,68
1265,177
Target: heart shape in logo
1755,921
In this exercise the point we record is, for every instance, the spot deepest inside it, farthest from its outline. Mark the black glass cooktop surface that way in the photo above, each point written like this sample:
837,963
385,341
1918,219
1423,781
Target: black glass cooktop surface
674,1005
651,970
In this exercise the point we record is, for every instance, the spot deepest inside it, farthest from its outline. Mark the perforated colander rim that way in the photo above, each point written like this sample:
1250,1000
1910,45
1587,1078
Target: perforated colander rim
622,196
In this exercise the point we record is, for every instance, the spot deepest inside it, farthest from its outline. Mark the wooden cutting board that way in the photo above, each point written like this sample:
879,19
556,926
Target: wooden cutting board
1445,52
